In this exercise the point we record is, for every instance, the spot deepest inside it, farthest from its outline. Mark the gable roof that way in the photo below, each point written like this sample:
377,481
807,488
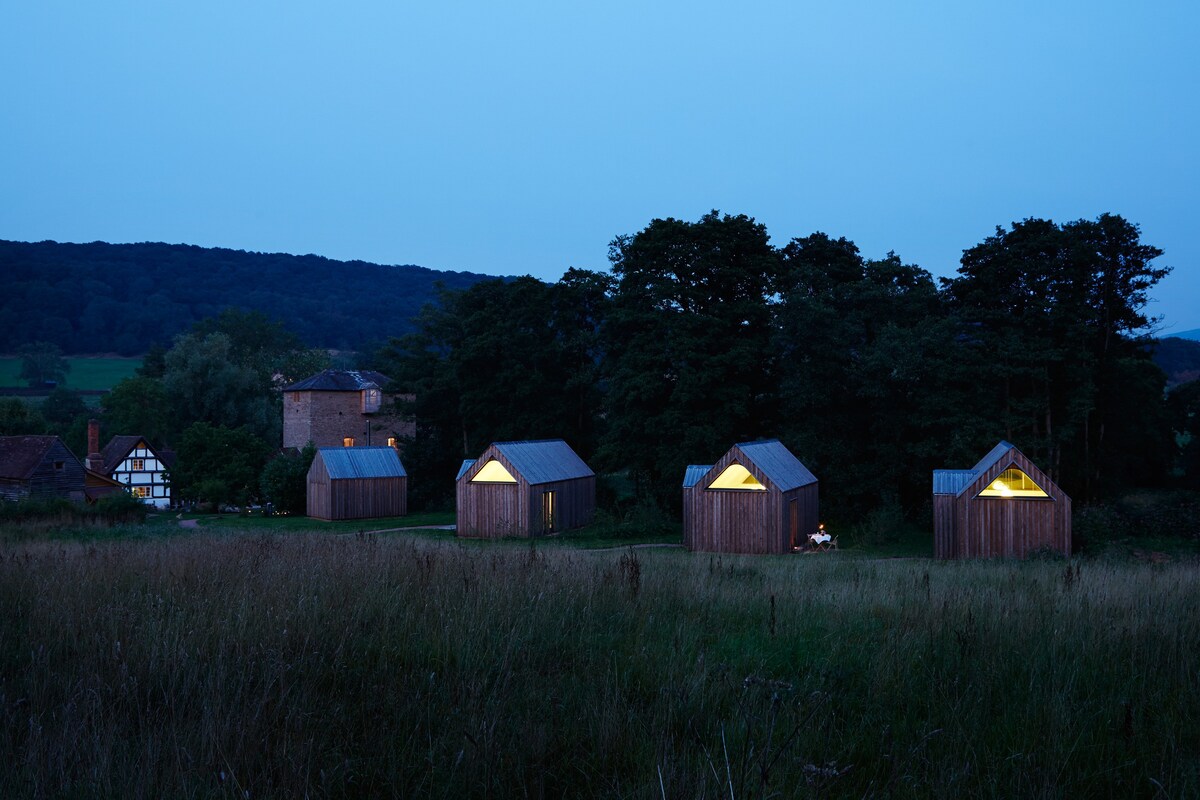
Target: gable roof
466,465
361,462
340,380
778,464
956,481
693,474
119,447
544,461
21,455
951,481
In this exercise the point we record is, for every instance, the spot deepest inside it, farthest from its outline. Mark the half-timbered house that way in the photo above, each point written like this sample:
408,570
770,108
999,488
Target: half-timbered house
142,469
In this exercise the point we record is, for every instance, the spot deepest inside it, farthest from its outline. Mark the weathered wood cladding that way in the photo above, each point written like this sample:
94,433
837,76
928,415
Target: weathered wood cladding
490,510
354,498
944,527
750,522
48,480
969,526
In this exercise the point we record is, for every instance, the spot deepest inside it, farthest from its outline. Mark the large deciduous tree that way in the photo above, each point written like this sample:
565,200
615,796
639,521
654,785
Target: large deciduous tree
1053,322
689,362
42,363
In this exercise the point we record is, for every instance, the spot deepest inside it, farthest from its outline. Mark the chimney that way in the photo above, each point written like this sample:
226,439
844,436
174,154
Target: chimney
95,461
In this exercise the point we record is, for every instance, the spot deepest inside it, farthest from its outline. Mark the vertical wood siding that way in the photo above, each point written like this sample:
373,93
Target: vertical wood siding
751,522
994,527
354,498
943,527
490,510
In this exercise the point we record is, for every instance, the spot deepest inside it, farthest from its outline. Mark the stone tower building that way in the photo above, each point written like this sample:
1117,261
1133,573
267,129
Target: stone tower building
342,408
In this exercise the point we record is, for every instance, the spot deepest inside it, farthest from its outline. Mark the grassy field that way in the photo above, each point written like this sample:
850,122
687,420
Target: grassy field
85,373
293,664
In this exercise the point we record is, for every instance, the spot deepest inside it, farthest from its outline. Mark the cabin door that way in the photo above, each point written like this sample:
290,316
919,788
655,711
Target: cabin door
794,524
548,512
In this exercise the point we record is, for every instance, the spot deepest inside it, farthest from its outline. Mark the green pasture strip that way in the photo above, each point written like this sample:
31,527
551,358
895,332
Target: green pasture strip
85,373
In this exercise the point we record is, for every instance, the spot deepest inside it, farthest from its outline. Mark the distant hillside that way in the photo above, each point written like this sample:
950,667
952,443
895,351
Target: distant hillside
1179,358
1194,335
91,298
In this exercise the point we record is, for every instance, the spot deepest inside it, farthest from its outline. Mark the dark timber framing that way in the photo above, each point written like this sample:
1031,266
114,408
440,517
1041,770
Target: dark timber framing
552,490
968,525
775,519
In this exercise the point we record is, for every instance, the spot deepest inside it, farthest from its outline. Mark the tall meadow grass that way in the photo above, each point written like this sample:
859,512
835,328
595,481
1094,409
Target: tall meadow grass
316,666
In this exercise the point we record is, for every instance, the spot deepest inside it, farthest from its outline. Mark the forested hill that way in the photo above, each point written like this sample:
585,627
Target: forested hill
99,297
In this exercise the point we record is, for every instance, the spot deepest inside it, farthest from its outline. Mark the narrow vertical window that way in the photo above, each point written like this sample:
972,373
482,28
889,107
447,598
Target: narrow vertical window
348,441
548,512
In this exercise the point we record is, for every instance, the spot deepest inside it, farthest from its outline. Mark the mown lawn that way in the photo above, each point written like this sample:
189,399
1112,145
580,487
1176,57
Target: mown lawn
272,665
85,373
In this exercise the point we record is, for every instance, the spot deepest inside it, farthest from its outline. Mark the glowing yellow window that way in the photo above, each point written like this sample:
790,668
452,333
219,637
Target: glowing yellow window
493,472
1013,483
347,441
736,476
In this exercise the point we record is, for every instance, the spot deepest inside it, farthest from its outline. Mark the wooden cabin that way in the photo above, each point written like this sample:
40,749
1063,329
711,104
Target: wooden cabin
1004,506
524,489
357,483
758,498
39,467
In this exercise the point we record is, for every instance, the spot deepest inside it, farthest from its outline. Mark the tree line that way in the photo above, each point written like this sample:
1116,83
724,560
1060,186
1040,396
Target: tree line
704,334
120,298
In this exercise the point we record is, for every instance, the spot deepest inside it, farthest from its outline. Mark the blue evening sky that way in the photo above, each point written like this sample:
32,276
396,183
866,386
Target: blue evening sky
521,137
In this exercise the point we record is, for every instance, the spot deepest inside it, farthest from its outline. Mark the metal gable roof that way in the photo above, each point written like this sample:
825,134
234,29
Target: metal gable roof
544,461
466,465
693,474
362,462
778,464
340,380
957,481
992,457
951,481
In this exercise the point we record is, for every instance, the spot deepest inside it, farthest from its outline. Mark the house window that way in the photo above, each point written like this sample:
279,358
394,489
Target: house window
493,472
140,491
735,476
58,466
548,512
391,441
295,397
348,441
371,400
1013,483
137,464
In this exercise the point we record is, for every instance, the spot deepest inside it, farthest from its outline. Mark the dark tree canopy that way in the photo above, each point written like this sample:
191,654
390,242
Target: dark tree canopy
98,297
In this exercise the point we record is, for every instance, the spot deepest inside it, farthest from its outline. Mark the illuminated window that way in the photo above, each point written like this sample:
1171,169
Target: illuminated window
493,472
140,491
548,520
348,441
137,464
1013,483
736,476
391,441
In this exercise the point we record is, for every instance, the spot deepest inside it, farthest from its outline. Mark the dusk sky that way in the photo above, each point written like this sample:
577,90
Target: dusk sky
519,137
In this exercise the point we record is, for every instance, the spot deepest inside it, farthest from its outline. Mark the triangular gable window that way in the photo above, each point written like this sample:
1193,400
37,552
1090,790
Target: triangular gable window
735,476
493,472
1013,483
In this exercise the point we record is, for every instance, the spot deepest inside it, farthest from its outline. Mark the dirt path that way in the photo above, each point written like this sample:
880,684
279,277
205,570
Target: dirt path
190,524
